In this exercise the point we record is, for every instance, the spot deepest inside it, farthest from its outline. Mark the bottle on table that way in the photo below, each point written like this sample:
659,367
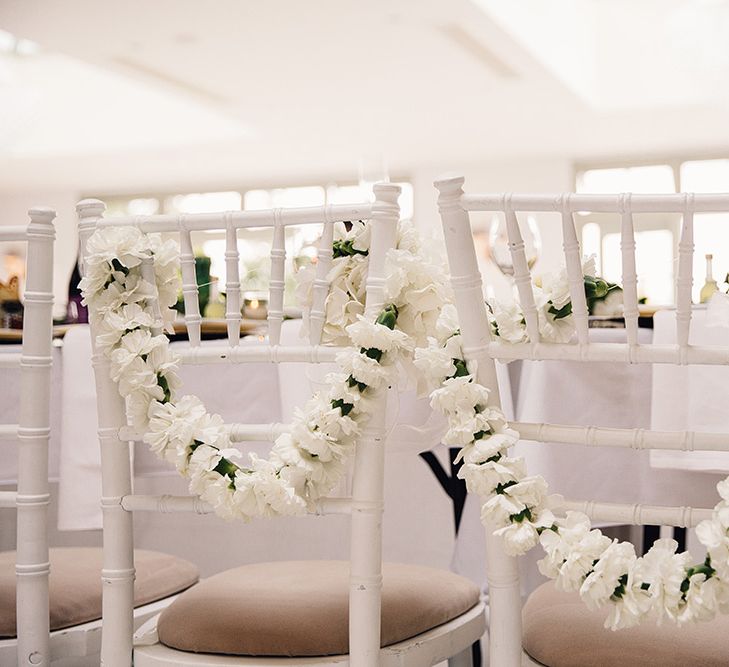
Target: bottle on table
710,286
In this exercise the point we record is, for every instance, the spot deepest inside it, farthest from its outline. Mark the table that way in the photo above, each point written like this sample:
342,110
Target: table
691,398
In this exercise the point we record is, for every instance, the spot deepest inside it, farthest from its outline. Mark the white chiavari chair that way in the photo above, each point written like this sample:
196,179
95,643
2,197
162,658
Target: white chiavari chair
24,574
423,616
58,588
555,628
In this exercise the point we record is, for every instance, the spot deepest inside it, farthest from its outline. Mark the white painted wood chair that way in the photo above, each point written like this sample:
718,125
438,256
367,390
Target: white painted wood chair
209,605
558,629
58,599
30,562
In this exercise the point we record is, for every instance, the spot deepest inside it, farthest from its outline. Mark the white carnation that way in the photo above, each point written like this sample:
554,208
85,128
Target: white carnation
366,334
459,394
612,564
363,369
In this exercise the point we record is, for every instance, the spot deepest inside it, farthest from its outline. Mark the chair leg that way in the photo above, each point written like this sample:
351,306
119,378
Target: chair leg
463,659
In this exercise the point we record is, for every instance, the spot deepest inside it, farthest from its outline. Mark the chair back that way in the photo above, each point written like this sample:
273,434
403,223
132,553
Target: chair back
481,344
366,502
32,432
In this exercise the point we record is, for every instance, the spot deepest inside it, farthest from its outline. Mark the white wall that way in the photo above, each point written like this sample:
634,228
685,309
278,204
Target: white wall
14,211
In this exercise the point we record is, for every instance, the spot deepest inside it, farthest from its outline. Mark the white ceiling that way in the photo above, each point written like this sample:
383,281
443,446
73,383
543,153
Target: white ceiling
138,94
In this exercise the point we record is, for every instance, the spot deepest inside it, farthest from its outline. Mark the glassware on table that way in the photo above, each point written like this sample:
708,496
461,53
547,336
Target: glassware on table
499,243
710,286
255,305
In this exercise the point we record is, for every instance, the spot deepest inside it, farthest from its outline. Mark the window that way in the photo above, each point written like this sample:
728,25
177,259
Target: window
657,235
652,179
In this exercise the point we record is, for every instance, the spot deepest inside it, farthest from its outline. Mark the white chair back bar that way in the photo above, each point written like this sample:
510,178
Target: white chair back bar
613,352
115,435
33,432
582,203
168,504
238,432
320,289
199,222
522,275
685,280
637,514
629,274
501,570
273,353
190,291
8,499
117,574
573,256
454,211
9,432
232,283
365,587
277,282
632,438
11,360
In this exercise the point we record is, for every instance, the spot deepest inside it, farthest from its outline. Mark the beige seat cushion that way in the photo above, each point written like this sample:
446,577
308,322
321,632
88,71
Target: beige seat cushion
300,608
560,631
75,584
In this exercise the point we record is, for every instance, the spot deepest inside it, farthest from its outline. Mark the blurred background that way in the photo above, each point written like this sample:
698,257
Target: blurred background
191,106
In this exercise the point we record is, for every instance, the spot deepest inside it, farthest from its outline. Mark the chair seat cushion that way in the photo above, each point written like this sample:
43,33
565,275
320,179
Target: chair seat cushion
75,584
560,631
300,608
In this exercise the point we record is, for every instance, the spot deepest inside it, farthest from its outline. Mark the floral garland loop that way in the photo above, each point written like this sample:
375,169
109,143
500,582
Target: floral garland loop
417,324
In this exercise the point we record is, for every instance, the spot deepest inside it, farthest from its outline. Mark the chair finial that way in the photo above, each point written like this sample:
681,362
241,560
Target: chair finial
42,215
90,208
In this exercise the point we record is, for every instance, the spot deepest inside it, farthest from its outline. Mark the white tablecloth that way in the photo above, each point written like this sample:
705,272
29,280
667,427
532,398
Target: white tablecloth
691,398
10,409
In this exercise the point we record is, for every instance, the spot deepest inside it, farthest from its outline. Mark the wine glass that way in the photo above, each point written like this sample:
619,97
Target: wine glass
499,243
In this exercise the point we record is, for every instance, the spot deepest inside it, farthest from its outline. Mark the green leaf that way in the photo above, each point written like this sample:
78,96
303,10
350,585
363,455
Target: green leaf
162,382
526,513
226,467
559,313
461,368
372,353
502,486
388,316
345,408
355,383
346,249
620,588
116,265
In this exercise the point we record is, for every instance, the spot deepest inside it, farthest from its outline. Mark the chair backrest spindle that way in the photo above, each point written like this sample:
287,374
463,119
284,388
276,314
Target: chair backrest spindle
232,282
522,274
33,431
277,282
630,276
501,569
320,289
190,292
685,282
573,260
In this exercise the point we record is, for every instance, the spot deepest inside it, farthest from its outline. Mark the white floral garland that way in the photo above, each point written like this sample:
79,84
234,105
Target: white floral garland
418,322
